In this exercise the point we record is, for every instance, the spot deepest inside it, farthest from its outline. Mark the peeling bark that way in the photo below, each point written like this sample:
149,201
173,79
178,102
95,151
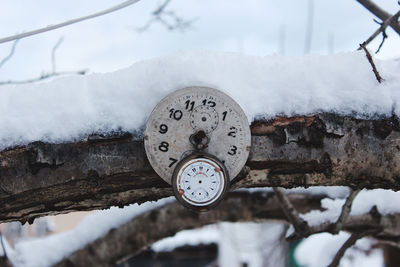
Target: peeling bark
324,149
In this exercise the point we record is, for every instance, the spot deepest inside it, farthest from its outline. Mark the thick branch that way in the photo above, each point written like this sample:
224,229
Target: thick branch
325,150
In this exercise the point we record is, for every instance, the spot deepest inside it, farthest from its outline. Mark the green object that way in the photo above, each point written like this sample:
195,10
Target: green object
292,262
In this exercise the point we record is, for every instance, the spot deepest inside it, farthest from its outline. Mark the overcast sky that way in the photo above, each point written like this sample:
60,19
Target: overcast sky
111,42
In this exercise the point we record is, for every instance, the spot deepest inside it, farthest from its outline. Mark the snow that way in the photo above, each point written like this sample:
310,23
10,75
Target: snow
386,202
70,108
319,250
251,244
51,249
205,235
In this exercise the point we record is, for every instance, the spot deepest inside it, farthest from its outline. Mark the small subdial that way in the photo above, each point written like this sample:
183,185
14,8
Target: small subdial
204,118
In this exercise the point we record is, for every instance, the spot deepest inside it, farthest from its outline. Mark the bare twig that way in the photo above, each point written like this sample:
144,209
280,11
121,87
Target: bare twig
10,54
53,54
384,36
161,8
164,17
300,225
345,211
371,61
44,77
380,13
69,22
382,29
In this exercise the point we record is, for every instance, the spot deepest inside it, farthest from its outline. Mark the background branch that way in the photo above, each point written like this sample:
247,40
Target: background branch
44,76
345,210
171,218
53,54
4,60
69,22
167,18
300,225
382,29
380,13
349,243
53,72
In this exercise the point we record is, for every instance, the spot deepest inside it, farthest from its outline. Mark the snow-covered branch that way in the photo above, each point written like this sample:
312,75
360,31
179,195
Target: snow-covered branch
41,178
163,221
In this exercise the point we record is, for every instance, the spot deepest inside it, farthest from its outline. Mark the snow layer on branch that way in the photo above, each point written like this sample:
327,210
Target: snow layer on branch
70,108
386,201
202,236
319,250
50,250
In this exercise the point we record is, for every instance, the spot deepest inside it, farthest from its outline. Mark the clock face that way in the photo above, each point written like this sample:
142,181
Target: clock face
184,113
200,181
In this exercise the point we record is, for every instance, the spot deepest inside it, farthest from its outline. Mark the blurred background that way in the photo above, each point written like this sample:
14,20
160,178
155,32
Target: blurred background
117,40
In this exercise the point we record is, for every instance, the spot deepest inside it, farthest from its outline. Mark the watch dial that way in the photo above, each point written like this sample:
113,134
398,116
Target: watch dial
187,111
200,182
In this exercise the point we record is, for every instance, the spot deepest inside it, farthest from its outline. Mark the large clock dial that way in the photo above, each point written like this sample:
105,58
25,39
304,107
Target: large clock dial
191,110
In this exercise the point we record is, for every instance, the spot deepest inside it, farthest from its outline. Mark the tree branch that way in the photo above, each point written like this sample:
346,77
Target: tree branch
41,179
160,15
300,226
371,61
380,13
167,220
69,22
44,76
382,29
53,54
4,60
345,210
349,243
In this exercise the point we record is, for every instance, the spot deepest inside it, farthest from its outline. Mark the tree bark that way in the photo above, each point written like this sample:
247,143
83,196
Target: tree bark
324,149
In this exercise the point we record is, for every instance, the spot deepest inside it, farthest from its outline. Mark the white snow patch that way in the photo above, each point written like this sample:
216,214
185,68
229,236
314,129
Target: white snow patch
70,108
206,235
386,202
51,249
319,250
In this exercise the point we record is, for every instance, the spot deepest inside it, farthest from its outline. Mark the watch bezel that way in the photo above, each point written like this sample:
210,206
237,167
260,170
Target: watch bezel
181,163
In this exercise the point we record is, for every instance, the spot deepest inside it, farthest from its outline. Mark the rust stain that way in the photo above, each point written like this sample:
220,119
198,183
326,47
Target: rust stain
268,127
